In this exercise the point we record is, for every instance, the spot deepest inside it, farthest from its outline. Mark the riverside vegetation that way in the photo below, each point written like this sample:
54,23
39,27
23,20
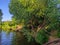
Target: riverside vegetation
39,19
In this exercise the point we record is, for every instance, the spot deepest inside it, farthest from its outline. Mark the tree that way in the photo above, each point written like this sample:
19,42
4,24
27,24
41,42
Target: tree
0,21
0,17
36,15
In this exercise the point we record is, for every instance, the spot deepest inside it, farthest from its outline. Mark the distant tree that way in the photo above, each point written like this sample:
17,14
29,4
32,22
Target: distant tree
1,17
1,14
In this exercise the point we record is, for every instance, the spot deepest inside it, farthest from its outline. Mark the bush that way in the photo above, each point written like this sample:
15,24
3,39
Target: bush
41,37
58,34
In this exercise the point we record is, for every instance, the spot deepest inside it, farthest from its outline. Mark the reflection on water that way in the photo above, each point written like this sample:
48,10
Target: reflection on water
6,39
13,38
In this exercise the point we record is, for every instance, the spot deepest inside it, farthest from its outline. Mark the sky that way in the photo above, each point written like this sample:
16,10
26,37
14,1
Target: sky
5,10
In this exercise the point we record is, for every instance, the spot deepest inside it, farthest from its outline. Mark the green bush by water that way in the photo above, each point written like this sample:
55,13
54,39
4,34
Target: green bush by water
41,37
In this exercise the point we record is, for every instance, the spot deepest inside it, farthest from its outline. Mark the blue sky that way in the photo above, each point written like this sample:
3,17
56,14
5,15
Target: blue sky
5,9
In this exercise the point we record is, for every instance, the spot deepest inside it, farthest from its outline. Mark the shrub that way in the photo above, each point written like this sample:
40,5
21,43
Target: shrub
41,37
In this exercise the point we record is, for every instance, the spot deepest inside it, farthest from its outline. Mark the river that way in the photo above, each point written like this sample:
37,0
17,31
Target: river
6,39
13,38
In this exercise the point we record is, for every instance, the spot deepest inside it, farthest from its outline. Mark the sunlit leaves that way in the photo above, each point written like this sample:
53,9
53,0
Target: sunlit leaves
41,14
23,8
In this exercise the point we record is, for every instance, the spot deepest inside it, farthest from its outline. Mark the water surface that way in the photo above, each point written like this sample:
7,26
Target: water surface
14,38
6,38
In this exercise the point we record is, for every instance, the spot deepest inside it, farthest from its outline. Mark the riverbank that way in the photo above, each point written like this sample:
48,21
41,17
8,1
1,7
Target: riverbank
13,28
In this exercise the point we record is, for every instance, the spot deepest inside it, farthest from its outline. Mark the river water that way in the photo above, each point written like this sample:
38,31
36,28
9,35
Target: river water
13,38
6,39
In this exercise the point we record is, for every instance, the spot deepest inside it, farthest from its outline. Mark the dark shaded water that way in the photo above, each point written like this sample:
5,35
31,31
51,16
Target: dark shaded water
13,38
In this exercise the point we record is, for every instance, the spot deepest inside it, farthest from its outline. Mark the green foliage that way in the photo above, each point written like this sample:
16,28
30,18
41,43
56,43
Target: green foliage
24,9
6,25
32,10
36,15
1,14
27,34
1,18
41,37
58,34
